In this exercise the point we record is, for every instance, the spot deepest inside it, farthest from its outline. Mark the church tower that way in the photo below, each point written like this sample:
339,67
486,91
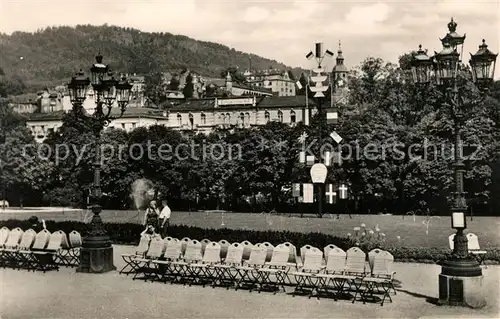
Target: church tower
340,80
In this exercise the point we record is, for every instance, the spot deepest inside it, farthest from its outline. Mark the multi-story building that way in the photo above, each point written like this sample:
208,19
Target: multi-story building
194,115
232,88
57,99
278,81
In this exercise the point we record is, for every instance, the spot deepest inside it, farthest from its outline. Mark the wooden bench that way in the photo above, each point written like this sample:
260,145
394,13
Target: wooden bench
473,246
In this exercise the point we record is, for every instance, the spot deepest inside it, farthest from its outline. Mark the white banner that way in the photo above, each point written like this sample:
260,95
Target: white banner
308,193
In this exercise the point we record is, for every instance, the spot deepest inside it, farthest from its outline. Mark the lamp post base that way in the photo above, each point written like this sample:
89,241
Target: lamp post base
460,283
96,255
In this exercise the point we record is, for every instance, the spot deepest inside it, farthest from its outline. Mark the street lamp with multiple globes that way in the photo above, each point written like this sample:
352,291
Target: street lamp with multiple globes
461,272
96,254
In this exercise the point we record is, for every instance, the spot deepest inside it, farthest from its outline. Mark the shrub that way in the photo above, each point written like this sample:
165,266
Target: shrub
128,234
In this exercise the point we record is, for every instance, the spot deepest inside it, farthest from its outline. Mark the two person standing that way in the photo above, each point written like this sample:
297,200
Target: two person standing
156,221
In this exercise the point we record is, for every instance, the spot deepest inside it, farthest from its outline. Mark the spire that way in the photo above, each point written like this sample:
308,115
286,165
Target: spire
339,66
228,77
340,57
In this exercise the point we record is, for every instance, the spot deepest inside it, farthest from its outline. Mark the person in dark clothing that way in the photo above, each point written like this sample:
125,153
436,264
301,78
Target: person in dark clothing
36,225
151,216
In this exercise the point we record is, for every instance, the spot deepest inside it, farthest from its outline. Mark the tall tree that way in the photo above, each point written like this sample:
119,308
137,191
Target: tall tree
188,90
155,88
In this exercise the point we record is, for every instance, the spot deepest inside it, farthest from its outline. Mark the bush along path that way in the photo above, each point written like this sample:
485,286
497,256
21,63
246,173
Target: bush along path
128,234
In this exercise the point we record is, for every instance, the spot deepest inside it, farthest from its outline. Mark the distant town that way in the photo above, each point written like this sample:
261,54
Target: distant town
240,99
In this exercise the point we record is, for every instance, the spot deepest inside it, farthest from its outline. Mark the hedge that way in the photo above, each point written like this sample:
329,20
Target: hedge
128,234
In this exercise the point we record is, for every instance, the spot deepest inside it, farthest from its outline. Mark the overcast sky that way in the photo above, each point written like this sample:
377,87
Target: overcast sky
281,30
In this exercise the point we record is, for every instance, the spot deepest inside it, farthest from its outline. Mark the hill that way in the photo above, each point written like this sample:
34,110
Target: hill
51,56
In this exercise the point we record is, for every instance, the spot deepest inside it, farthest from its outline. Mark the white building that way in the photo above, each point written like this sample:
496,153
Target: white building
194,115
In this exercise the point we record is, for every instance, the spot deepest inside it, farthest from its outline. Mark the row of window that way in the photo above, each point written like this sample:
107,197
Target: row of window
244,118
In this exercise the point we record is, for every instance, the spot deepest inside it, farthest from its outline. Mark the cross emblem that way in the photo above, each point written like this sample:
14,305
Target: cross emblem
330,194
343,191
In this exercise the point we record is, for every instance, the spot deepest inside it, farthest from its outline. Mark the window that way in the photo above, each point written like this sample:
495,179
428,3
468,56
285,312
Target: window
293,118
179,119
228,118
123,126
267,116
203,118
223,118
280,116
191,120
133,125
242,119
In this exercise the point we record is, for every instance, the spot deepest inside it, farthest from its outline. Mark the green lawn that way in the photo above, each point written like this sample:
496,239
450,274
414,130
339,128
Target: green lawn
412,233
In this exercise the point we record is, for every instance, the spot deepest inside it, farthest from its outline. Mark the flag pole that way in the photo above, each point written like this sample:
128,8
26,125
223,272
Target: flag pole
306,116
331,88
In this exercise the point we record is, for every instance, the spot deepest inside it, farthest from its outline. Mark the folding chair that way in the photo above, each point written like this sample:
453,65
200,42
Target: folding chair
45,259
32,261
292,258
224,246
11,244
14,255
306,280
278,268
270,249
327,249
4,234
248,275
143,264
204,271
184,243
355,268
225,272
62,257
140,251
204,243
334,280
472,246
172,254
247,249
192,255
382,276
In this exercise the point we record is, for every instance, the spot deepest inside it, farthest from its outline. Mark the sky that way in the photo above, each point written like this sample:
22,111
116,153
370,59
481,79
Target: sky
282,30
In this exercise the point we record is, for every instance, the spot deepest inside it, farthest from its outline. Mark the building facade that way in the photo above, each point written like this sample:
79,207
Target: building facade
199,116
278,81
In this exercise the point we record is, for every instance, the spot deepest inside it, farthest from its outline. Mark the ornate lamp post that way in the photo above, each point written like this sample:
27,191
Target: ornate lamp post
460,273
96,254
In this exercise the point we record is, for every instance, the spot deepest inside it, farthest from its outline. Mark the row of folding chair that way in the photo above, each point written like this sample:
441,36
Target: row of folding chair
223,263
42,251
265,267
344,273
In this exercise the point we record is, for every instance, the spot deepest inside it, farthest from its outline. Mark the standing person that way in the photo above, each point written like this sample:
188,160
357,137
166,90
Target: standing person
151,216
164,220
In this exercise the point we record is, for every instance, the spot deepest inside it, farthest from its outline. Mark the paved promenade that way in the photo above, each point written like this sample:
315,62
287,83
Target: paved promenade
66,294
